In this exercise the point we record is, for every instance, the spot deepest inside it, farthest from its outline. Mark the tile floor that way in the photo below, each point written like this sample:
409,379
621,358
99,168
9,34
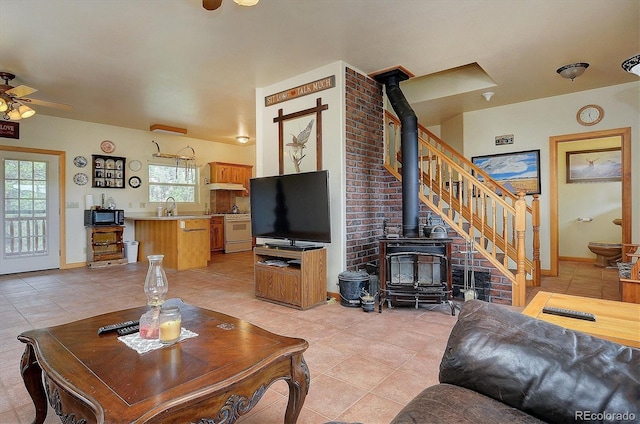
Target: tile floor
364,366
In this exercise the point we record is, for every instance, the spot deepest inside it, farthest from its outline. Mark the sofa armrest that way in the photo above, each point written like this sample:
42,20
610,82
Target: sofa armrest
540,368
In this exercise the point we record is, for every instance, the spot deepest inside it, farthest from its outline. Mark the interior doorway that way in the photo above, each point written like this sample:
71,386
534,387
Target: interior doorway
554,142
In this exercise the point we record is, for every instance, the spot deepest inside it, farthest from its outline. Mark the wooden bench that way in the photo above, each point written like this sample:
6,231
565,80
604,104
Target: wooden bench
630,282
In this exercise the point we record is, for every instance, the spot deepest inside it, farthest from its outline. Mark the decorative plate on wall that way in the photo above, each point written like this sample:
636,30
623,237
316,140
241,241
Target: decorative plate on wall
134,182
107,146
135,165
80,178
80,161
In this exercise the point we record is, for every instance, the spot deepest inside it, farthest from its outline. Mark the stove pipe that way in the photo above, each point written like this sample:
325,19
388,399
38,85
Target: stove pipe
409,149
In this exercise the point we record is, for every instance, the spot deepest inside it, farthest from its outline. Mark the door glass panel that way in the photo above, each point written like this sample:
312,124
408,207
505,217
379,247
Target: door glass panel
25,208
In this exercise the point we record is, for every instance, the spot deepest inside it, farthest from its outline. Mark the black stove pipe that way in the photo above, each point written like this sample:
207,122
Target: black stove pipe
409,149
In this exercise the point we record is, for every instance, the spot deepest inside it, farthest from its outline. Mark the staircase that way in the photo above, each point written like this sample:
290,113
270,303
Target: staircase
501,225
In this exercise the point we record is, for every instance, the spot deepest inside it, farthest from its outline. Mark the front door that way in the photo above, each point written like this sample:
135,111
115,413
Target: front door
29,188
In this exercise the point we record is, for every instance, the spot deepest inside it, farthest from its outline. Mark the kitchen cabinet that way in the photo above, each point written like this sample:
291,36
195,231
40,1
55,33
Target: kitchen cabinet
301,283
105,246
216,234
222,172
184,242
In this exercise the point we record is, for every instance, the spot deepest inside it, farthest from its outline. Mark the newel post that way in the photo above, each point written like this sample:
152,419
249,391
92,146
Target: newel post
518,292
535,219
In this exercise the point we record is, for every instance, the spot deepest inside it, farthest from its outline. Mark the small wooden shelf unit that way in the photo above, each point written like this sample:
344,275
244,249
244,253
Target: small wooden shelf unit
105,246
302,284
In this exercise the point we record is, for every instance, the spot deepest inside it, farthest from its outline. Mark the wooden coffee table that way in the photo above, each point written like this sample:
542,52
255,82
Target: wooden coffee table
615,321
214,377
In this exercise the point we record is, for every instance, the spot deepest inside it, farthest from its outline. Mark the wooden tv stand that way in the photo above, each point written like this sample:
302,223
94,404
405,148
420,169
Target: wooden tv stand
301,284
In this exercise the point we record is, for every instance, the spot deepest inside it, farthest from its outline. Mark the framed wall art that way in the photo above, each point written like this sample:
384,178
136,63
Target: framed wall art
517,171
599,165
300,139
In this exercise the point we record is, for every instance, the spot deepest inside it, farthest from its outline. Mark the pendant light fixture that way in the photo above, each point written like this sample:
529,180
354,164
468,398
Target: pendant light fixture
247,2
632,65
573,70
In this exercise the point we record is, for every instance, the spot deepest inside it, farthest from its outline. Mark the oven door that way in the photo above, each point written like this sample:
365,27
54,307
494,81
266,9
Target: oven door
237,233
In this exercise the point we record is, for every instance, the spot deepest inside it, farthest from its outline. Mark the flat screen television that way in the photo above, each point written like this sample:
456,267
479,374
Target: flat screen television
292,207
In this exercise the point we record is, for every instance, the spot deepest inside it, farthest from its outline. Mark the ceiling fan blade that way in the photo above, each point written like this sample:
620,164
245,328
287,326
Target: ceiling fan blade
211,4
20,91
47,104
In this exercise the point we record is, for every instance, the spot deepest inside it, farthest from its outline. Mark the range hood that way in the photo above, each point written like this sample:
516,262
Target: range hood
226,186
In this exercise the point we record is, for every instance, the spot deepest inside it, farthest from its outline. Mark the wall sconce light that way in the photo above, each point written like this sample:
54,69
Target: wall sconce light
167,129
247,2
632,65
573,70
488,95
242,139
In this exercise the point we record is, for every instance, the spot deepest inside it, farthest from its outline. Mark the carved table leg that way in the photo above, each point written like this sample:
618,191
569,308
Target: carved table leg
298,388
32,376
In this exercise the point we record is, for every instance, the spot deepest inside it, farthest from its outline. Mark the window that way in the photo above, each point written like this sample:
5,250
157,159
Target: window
179,182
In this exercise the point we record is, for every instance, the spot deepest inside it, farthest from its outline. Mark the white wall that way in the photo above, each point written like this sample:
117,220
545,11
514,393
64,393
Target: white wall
78,138
532,123
333,147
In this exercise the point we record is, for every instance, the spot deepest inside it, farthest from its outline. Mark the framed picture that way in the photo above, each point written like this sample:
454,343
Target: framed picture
517,171
589,166
300,139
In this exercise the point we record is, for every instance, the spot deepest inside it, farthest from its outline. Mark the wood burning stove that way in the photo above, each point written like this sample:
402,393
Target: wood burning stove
415,271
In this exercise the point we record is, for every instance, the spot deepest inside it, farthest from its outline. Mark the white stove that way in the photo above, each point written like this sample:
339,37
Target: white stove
237,232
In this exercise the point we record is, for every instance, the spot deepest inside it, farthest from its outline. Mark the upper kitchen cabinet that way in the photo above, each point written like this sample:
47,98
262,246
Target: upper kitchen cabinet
222,172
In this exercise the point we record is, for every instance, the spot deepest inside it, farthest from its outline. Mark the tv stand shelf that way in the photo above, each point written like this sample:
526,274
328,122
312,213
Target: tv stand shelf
301,284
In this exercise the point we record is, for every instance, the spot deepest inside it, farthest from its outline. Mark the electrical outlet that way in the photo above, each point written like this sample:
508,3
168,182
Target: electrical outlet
130,204
84,250
143,205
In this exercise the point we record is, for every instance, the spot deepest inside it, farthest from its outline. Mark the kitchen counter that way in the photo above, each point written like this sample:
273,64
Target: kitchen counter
134,217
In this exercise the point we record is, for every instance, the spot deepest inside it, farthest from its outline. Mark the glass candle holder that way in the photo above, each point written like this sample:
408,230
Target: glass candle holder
155,283
170,324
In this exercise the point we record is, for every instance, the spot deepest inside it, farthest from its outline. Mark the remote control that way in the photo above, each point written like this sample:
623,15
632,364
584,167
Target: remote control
569,313
113,327
128,330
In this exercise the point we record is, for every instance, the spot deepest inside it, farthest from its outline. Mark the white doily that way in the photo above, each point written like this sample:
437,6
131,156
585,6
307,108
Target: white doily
140,345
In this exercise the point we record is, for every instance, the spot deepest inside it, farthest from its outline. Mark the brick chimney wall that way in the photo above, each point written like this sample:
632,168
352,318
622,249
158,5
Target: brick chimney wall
372,194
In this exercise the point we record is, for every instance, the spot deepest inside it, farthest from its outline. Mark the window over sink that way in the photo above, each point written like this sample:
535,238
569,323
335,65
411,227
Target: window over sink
178,182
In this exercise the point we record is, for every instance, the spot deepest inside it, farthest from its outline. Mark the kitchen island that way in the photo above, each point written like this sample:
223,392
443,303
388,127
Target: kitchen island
182,239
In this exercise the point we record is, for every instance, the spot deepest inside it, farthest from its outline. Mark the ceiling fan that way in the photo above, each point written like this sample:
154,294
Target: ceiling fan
214,4
13,103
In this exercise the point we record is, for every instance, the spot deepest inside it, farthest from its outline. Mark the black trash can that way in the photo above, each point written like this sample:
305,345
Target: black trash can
351,284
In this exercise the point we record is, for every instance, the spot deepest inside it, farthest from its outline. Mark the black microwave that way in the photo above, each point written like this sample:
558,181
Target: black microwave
103,217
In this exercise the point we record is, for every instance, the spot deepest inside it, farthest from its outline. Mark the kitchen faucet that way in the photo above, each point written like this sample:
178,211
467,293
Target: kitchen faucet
173,210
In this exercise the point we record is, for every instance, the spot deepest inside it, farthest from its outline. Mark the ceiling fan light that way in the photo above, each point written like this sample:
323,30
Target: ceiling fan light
573,70
25,111
3,105
632,65
246,2
14,115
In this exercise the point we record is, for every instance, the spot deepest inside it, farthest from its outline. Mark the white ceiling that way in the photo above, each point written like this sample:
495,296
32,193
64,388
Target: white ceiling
137,63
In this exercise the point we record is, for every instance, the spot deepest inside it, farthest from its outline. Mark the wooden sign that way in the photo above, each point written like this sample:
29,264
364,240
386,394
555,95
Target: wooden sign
301,90
9,129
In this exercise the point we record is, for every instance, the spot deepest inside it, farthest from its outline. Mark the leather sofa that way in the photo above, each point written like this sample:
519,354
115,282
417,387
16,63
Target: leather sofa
504,367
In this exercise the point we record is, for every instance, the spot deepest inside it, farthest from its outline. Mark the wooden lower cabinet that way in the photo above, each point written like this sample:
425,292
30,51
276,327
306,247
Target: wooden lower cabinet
105,246
216,241
301,284
183,242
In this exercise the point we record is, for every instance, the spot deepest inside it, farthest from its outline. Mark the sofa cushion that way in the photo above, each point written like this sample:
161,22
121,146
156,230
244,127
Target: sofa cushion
445,403
555,374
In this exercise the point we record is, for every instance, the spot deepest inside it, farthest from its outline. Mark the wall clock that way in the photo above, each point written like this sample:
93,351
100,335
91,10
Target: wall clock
134,182
590,115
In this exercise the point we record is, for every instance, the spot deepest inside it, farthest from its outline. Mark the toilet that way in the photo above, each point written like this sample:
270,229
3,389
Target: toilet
607,254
